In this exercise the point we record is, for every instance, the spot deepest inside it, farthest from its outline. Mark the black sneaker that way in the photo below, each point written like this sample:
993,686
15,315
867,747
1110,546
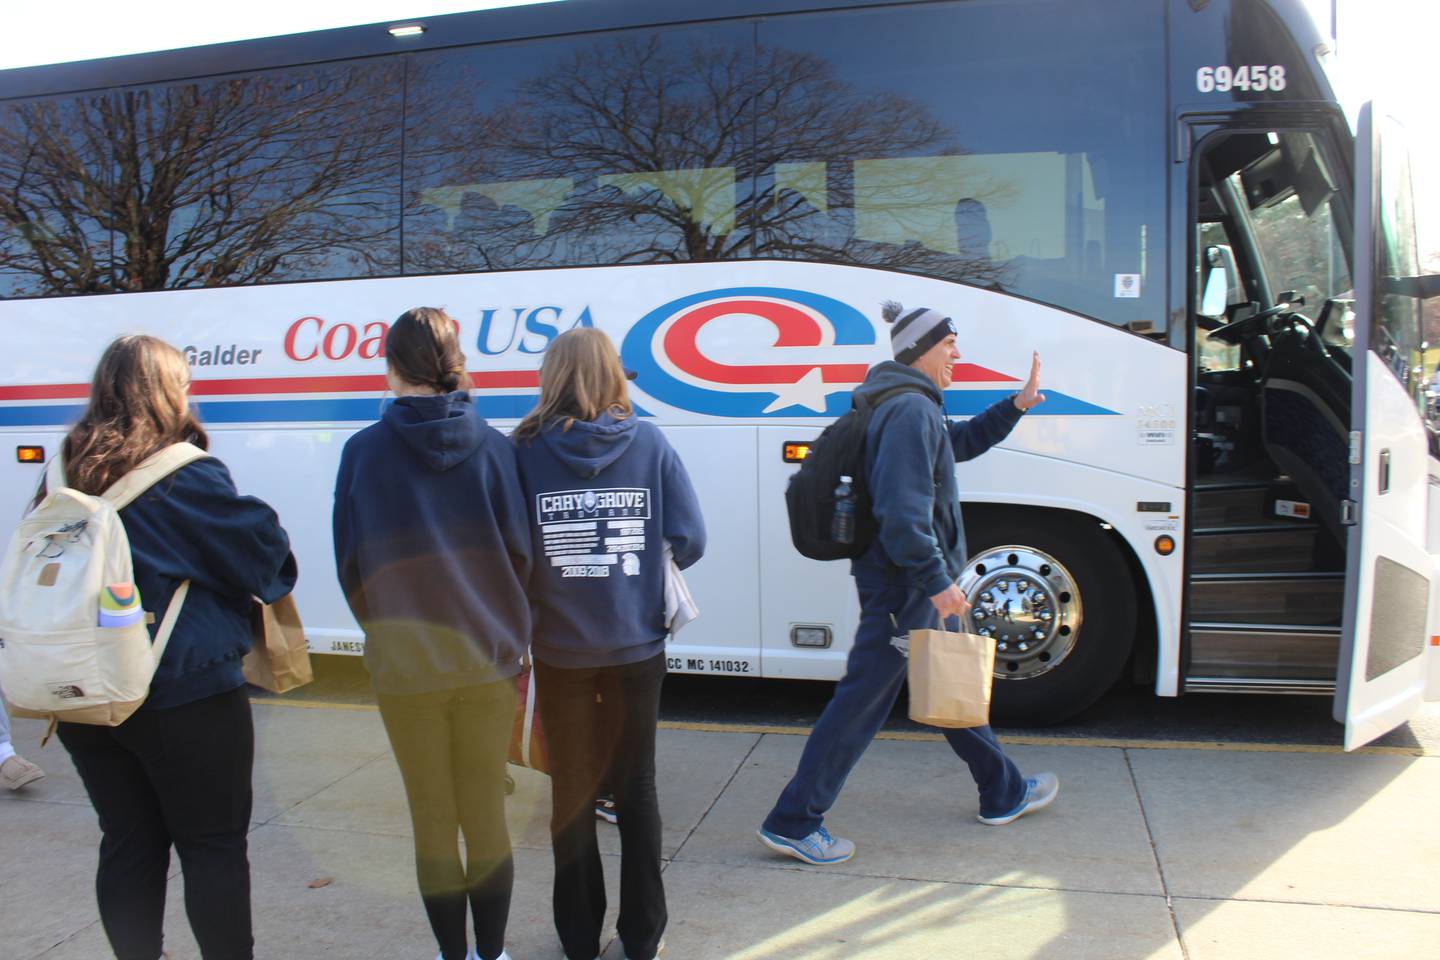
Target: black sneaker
605,809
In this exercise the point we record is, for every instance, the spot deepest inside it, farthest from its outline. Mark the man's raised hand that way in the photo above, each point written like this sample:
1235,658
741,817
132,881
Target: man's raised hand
1030,395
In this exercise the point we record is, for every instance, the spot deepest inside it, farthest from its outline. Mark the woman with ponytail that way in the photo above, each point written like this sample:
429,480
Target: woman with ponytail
433,552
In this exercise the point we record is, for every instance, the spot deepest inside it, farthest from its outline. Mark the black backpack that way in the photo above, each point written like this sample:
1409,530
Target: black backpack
810,497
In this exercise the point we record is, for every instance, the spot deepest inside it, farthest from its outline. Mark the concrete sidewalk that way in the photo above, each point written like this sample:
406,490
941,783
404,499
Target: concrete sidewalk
1163,853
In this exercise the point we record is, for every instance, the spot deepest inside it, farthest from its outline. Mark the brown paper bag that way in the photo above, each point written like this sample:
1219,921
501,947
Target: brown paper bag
279,657
950,676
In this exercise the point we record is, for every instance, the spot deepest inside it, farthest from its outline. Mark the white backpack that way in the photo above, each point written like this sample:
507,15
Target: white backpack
56,661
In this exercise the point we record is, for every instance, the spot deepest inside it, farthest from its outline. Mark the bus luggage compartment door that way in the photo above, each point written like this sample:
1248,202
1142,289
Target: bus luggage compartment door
725,637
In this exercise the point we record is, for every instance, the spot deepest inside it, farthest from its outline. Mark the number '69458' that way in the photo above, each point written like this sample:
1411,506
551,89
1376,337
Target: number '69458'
1254,77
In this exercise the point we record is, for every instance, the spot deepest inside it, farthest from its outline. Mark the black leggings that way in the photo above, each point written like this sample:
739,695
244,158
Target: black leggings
180,777
625,718
451,747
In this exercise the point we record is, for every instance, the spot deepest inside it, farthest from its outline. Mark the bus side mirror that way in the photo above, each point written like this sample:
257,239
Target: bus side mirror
1221,278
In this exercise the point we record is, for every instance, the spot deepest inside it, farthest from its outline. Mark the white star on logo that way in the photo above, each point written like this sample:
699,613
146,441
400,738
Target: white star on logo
808,392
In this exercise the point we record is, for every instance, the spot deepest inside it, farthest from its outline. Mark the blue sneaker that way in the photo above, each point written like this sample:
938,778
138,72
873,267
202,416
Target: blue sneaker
1040,791
819,848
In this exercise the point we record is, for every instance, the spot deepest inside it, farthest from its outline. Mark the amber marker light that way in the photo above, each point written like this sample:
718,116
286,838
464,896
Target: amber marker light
30,454
1165,545
796,451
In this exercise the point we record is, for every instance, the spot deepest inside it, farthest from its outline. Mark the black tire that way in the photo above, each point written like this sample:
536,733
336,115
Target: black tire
1106,587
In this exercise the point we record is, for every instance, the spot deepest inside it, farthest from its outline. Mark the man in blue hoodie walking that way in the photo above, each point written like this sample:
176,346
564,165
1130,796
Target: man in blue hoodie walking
906,580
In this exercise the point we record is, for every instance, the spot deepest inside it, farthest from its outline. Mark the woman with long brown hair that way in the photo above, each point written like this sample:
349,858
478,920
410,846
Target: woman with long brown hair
606,495
433,554
177,772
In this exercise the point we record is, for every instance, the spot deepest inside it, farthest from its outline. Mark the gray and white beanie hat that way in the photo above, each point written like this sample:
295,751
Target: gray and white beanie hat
913,332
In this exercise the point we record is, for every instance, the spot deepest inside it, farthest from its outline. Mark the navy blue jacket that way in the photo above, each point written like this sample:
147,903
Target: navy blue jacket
194,526
603,497
432,548
910,451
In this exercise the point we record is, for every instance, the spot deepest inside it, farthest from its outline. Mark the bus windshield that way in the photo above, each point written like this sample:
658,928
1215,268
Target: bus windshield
1299,221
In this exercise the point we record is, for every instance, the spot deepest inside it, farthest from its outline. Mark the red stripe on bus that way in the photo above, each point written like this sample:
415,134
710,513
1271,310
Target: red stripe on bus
974,373
224,388
371,383
46,391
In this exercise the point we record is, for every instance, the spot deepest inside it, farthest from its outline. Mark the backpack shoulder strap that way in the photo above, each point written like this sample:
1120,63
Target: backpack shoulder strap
151,471
54,473
886,394
167,622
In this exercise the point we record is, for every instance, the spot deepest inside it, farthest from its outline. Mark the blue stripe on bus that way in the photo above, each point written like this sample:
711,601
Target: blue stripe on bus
41,416
342,409
967,403
960,403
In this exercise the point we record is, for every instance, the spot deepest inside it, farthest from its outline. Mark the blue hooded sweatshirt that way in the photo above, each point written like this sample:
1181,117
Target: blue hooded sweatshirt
194,526
432,548
911,448
604,496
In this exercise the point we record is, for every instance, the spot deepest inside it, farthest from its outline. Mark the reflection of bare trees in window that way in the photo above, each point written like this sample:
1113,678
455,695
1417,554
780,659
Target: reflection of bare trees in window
631,150
232,181
54,179
640,150
623,152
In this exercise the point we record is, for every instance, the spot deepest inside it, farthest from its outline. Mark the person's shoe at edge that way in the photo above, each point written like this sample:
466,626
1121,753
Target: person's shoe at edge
16,772
605,809
819,848
1040,791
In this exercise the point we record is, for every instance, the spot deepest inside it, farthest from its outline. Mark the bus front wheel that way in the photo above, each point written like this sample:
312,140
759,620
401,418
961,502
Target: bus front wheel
1056,595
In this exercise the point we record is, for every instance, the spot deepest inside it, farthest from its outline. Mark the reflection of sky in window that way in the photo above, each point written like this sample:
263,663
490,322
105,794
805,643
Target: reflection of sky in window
1003,89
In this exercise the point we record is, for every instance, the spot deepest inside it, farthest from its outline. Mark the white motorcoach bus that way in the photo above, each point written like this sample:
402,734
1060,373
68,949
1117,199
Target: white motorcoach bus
1233,485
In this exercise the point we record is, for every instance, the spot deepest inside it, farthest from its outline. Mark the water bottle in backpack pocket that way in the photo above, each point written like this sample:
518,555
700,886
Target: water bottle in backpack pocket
842,520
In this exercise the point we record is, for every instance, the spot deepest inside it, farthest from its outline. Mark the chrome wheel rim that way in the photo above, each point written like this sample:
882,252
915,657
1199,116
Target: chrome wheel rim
1028,603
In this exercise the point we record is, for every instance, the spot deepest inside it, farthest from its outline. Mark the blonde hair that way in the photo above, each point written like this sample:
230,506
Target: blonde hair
580,378
138,406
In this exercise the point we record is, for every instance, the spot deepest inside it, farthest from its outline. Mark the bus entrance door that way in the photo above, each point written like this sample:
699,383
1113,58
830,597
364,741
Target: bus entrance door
1381,674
